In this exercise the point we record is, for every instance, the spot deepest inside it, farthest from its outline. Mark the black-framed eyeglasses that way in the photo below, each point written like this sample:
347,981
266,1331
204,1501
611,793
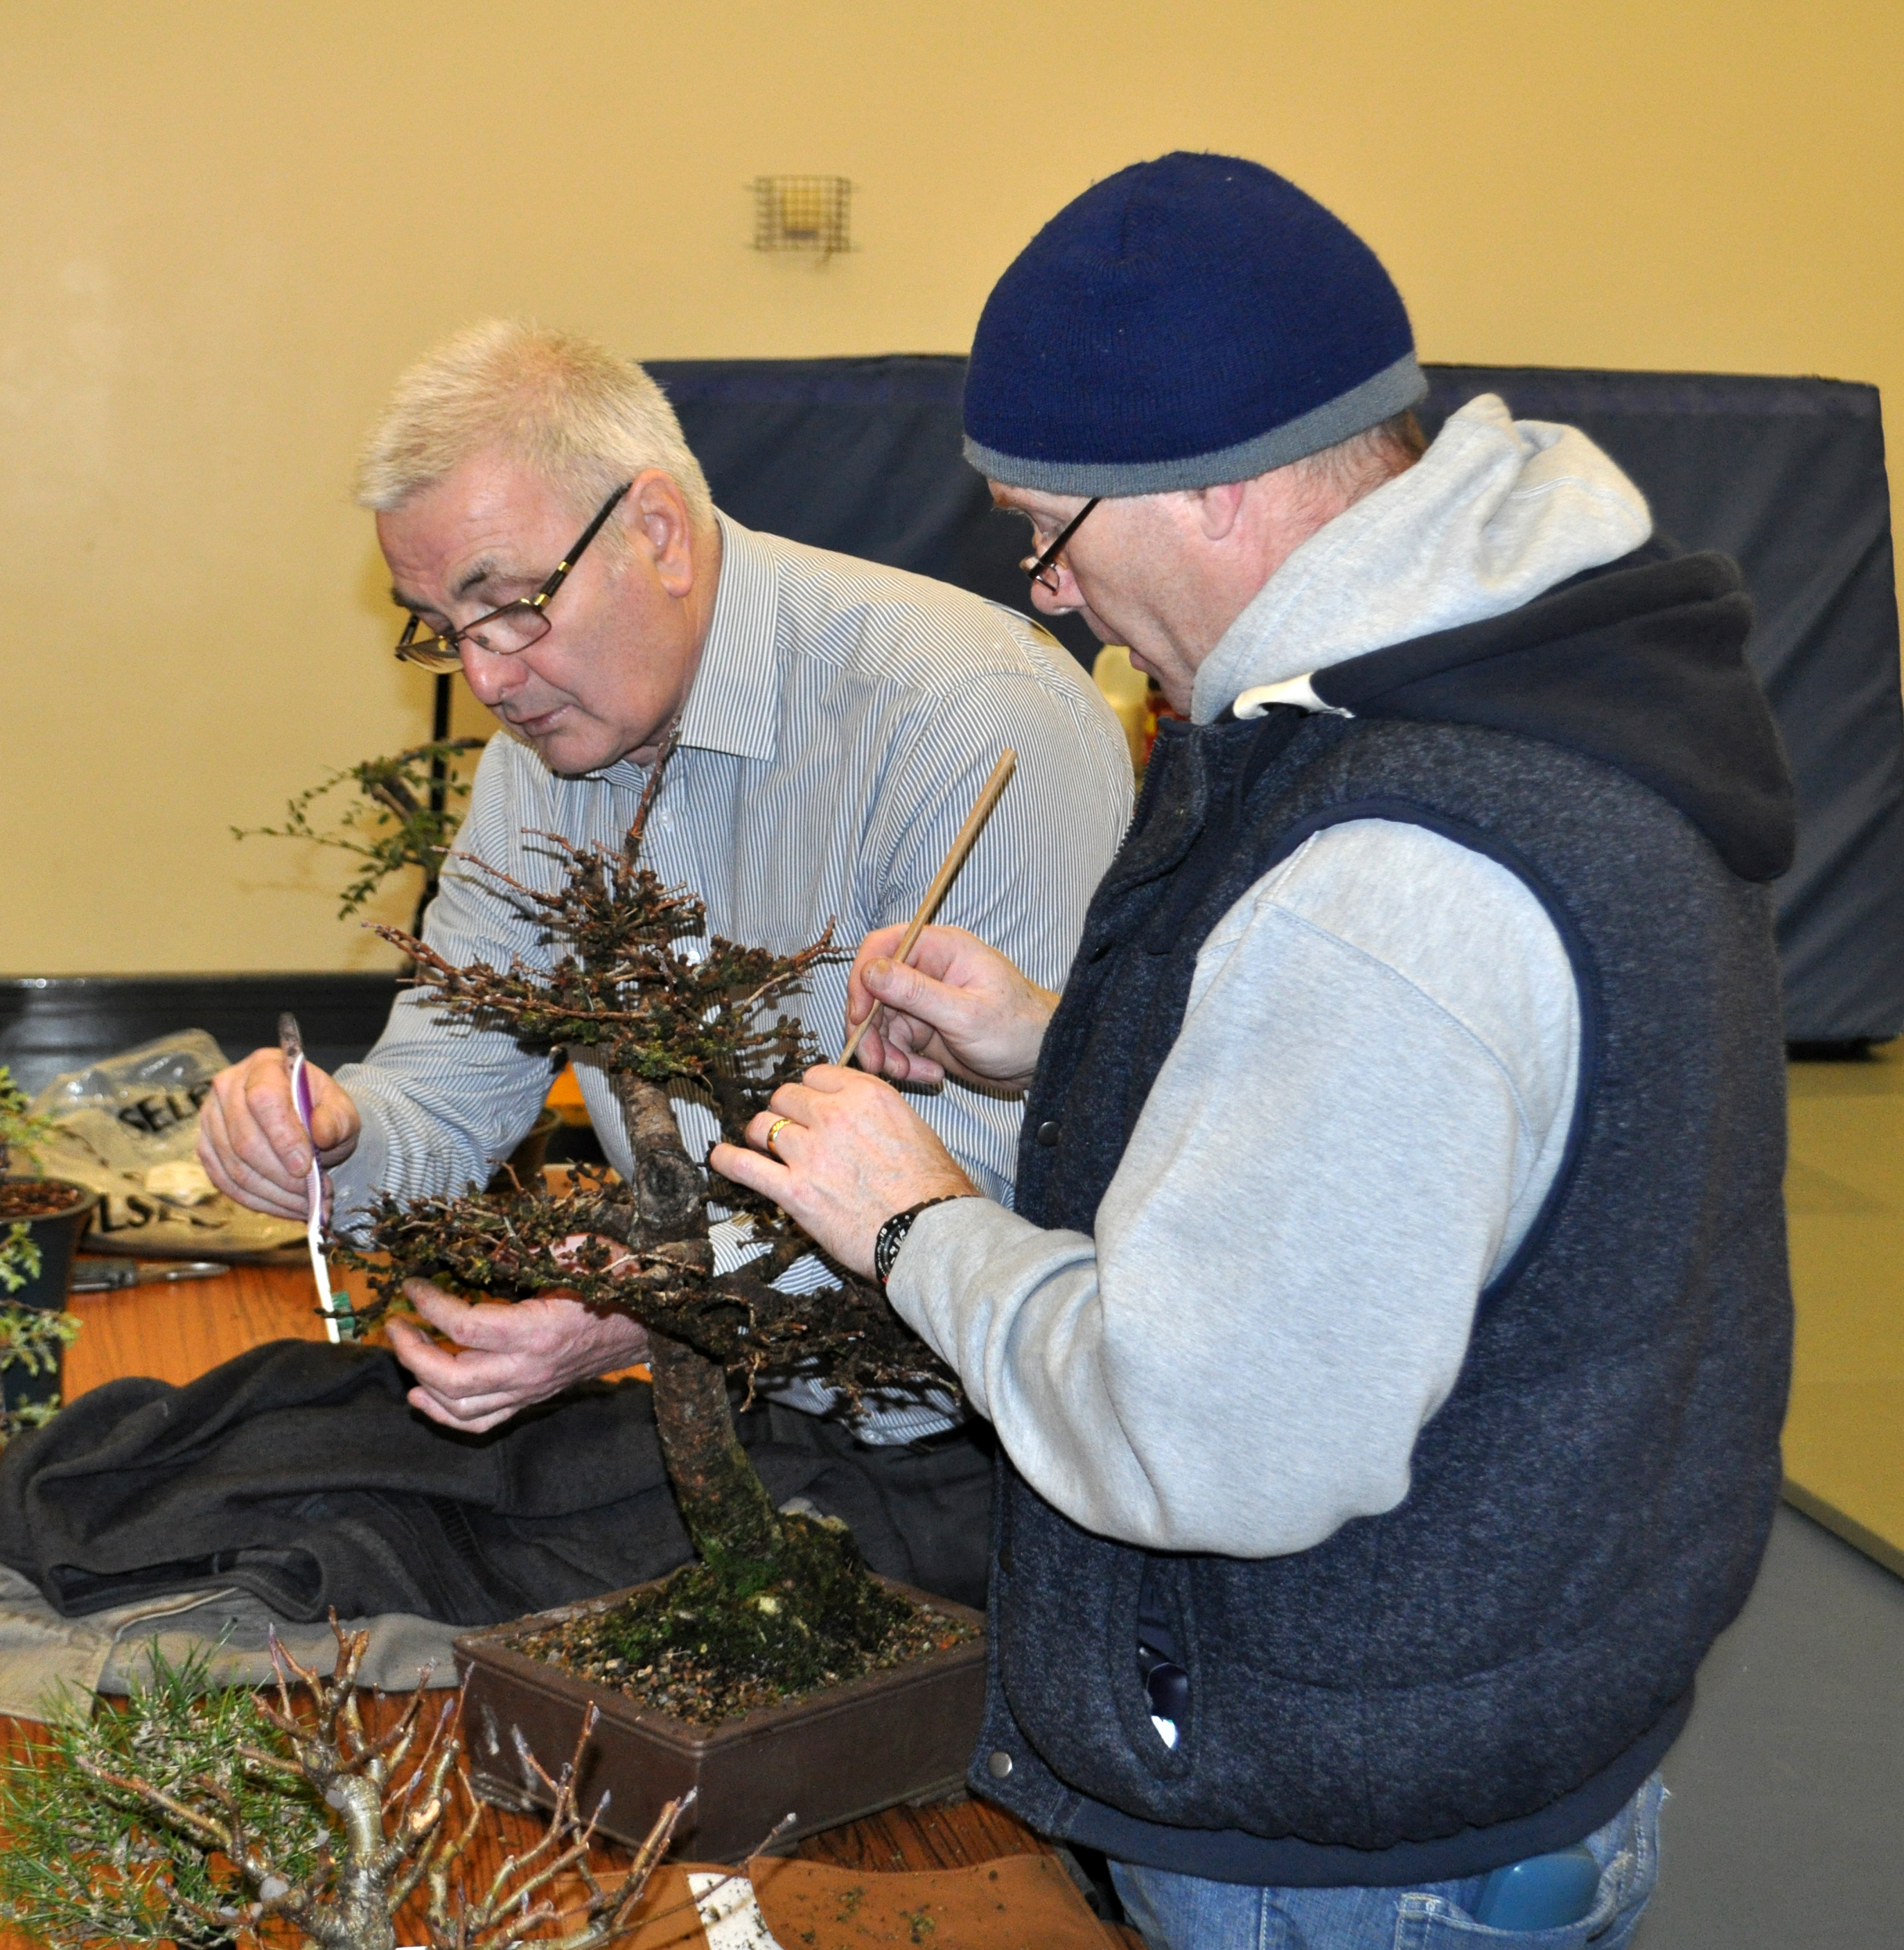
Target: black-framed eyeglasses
1042,568
516,625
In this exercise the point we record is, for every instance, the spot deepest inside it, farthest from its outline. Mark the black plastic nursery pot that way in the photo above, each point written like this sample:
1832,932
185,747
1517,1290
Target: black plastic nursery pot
56,1235
906,1733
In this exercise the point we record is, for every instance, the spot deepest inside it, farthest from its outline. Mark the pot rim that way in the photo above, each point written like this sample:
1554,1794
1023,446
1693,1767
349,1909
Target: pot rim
489,1642
89,1196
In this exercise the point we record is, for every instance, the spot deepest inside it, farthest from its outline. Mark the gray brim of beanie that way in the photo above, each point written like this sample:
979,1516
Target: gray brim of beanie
1392,391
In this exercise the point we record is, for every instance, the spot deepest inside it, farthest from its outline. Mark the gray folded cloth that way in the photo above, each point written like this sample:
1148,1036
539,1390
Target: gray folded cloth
43,1656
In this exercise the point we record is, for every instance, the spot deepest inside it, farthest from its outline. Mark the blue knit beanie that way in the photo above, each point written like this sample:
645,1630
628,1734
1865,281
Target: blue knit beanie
1187,322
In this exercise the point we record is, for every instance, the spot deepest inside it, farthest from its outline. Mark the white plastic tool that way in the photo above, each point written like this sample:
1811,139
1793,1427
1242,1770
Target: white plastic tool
292,1043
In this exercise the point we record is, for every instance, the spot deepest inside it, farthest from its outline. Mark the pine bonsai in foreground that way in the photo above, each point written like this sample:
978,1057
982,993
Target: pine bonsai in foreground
778,1603
199,1816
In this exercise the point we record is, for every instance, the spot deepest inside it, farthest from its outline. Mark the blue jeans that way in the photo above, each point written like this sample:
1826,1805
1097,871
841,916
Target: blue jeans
1188,1913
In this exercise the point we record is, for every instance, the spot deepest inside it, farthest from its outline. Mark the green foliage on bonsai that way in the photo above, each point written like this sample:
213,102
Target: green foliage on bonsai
33,1339
19,1129
105,1819
202,1816
399,823
19,1260
29,1337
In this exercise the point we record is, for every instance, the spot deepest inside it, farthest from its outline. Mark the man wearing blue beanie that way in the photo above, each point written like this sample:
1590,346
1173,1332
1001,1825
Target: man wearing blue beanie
1389,1347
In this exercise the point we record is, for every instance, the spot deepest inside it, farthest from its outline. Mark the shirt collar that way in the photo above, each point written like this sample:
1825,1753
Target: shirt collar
731,706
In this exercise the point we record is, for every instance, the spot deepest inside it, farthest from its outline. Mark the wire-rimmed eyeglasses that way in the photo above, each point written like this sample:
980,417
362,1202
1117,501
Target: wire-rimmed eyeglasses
1042,568
516,625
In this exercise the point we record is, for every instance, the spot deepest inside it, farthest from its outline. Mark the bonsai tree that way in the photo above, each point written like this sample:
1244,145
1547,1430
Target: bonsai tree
407,814
778,1600
199,1816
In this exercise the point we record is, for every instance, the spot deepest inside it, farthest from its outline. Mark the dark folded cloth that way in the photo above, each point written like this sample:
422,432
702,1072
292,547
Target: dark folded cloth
298,1472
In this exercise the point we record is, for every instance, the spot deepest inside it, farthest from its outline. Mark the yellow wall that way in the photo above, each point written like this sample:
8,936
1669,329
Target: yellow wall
225,225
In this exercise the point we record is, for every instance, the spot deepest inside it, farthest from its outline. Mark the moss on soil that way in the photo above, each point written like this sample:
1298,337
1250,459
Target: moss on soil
713,1642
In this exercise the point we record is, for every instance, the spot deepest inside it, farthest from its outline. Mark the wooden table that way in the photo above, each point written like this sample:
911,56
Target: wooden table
176,1332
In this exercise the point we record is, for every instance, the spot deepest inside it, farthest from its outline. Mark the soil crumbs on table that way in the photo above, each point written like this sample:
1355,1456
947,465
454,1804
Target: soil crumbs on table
707,1647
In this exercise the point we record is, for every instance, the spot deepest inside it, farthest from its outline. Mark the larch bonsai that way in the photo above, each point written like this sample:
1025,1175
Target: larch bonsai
779,1602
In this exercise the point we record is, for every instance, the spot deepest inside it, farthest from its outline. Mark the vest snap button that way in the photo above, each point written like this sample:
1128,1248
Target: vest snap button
1048,1131
999,1764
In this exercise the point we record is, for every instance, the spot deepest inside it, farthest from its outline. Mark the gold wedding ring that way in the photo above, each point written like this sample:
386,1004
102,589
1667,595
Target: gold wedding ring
772,1132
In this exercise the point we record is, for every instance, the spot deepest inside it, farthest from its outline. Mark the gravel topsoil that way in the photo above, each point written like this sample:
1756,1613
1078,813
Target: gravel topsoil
36,1198
691,1682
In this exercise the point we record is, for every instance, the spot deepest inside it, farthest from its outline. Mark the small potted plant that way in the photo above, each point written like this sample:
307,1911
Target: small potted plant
42,1220
407,815
775,1671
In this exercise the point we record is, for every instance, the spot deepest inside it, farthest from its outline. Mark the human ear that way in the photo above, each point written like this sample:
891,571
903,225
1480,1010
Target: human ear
1218,509
655,518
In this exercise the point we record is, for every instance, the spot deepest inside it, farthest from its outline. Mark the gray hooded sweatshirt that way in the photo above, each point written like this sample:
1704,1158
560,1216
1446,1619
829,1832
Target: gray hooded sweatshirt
1363,1110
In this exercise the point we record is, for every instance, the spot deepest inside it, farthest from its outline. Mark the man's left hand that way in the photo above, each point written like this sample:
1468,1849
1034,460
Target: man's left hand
849,1152
504,1357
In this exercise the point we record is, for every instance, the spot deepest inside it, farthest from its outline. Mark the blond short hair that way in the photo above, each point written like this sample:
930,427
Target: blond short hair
569,411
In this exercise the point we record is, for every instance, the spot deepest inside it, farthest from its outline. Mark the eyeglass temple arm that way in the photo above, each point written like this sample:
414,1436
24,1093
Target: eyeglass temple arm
1070,529
559,575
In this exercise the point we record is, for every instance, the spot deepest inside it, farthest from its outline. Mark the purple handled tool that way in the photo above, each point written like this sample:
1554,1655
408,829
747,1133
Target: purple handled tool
292,1043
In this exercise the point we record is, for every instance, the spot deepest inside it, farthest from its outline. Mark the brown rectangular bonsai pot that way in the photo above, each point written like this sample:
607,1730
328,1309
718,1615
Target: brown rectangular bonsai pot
903,1734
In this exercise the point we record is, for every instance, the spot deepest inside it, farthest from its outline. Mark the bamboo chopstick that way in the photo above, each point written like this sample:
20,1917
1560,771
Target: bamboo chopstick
948,872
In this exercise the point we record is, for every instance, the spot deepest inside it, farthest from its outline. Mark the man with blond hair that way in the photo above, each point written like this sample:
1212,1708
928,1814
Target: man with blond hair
550,534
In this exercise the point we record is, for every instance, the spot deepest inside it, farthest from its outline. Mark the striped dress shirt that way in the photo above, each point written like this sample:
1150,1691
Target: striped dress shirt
843,719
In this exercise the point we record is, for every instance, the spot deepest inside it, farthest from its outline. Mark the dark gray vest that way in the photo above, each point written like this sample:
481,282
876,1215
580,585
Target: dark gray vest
1589,1506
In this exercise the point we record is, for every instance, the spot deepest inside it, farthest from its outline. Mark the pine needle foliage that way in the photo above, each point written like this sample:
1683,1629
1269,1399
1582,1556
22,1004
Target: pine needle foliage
93,1859
202,1816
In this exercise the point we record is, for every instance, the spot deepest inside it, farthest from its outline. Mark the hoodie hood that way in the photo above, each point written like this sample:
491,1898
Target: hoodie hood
1634,656
1497,512
1641,664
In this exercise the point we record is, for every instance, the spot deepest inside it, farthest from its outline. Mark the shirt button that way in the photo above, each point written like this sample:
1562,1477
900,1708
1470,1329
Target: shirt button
1048,1131
999,1765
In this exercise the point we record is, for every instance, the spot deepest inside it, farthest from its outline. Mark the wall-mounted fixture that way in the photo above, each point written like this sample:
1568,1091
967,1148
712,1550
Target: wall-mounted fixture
809,213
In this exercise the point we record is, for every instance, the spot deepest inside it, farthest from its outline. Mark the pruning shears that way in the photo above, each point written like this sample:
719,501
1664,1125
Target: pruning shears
291,1042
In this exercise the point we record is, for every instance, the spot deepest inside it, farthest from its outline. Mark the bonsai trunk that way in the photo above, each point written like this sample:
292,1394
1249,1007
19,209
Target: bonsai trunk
730,1516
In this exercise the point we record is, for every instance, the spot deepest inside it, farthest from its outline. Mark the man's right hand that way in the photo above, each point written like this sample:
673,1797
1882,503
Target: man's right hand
958,1008
251,1144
